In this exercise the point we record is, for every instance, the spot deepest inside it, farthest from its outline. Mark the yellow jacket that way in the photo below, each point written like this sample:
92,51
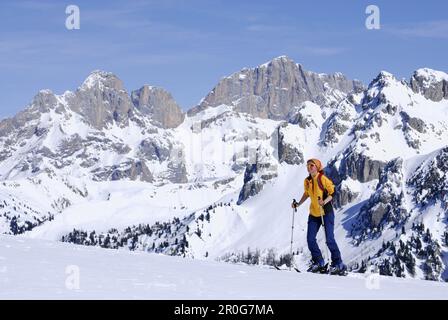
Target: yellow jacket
313,191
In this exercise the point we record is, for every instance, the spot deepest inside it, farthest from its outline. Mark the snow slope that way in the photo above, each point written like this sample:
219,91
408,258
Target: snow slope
119,204
39,269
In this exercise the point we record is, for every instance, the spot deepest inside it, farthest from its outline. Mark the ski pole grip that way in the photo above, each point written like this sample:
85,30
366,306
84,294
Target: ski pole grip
294,202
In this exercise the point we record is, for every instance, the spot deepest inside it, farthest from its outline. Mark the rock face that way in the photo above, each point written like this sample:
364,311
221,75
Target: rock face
177,173
430,180
388,196
385,205
152,149
255,176
129,170
271,90
160,105
414,123
344,195
286,151
41,103
251,186
101,100
410,124
430,83
356,166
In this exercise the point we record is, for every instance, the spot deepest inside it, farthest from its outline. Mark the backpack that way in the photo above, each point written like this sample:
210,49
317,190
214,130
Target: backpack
328,207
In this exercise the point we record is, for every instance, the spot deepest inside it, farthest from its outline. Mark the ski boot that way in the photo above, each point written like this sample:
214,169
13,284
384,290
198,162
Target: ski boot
339,269
318,267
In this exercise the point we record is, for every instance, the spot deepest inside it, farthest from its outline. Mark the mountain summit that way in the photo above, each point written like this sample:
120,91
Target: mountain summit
272,89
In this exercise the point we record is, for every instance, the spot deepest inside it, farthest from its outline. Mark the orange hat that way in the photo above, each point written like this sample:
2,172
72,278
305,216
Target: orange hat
317,163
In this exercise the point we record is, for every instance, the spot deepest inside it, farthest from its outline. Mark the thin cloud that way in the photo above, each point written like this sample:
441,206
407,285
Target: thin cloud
36,5
431,29
128,20
268,28
162,59
324,51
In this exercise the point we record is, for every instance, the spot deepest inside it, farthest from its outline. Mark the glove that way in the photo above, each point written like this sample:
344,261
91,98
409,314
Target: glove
294,204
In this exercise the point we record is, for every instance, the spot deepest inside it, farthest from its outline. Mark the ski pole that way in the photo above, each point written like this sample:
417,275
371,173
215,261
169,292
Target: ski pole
325,229
322,217
292,232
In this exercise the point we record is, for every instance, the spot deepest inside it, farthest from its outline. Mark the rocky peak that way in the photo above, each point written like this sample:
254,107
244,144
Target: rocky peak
102,100
383,79
432,84
380,88
101,79
159,104
43,101
272,89
281,61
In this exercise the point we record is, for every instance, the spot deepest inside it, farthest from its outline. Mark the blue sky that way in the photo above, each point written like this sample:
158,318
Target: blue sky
187,46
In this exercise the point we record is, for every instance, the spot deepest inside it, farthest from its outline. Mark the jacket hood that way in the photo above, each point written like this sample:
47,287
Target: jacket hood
317,163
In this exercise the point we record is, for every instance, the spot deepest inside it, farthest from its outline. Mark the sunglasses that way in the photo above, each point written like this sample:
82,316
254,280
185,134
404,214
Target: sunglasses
310,165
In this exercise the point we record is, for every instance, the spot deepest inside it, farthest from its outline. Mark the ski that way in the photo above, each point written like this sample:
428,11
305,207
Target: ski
339,273
321,270
324,270
295,268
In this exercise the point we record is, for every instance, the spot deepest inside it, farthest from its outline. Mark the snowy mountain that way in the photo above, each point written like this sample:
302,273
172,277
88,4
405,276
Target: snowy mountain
272,89
103,167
